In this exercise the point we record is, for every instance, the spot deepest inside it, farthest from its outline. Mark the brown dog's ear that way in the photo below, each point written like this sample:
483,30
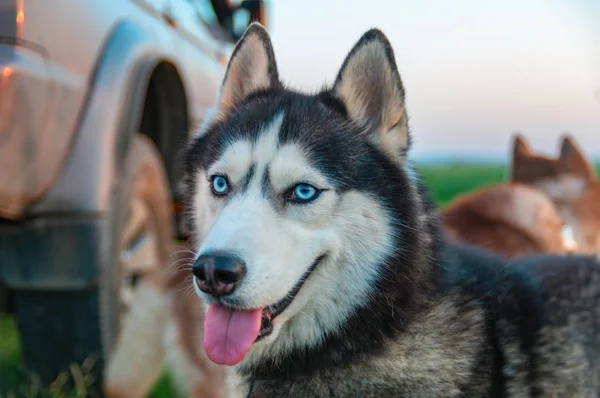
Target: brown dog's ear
252,68
520,153
520,146
370,87
572,159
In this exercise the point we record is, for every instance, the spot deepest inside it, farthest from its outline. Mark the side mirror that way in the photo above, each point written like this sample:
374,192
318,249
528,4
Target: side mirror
247,12
236,18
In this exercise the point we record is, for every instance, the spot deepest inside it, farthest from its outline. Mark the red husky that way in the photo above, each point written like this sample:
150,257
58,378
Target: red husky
570,181
548,206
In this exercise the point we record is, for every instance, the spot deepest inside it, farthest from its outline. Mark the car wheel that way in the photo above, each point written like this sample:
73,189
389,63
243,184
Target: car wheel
61,328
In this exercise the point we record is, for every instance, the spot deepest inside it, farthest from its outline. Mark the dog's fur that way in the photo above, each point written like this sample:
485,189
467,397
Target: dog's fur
570,181
509,219
391,309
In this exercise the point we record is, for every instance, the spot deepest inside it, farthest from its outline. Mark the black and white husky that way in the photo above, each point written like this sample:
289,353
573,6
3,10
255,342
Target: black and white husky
323,268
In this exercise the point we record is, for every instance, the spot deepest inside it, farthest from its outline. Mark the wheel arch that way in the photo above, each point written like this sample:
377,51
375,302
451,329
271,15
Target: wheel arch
165,116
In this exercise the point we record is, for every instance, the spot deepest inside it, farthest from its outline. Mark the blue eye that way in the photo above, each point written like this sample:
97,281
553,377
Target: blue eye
219,185
303,193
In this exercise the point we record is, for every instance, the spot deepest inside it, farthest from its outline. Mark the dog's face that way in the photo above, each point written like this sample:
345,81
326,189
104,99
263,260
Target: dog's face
570,181
291,198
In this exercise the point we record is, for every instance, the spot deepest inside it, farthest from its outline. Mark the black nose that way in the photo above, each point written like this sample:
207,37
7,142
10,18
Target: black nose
219,274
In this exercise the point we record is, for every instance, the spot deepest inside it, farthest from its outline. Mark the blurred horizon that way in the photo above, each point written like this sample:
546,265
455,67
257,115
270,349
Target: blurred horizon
474,72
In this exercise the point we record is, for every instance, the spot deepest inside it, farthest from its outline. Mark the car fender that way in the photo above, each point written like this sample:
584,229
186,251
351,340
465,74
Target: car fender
109,120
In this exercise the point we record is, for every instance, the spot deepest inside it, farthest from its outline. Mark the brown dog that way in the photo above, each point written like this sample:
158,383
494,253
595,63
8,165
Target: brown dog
548,206
164,329
508,219
570,181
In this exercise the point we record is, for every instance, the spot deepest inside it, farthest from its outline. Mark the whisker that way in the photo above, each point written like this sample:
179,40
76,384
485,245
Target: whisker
181,270
178,262
184,251
185,287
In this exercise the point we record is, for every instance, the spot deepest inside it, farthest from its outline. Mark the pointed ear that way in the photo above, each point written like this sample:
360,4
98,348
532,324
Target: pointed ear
520,152
568,148
370,87
573,160
520,146
252,68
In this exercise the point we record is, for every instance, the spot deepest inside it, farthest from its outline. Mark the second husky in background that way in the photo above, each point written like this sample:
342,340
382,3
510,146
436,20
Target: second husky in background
570,181
164,332
525,215
508,219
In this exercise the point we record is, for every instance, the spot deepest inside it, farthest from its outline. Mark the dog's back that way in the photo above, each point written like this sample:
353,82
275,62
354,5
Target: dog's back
567,348
544,311
508,219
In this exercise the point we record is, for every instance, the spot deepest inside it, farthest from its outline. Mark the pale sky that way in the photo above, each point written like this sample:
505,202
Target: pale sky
474,71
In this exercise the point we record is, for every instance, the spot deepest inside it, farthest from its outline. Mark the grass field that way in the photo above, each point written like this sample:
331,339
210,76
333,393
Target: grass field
445,182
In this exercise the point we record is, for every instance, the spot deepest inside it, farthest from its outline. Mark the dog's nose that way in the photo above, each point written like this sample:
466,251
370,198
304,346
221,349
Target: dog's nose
218,274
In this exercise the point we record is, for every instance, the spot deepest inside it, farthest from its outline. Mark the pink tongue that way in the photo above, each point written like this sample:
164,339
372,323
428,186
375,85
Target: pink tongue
228,334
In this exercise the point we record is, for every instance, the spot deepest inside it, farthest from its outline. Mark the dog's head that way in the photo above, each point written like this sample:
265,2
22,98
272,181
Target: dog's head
294,198
570,181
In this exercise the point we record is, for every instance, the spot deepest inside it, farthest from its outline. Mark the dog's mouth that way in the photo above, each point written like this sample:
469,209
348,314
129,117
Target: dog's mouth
271,312
230,332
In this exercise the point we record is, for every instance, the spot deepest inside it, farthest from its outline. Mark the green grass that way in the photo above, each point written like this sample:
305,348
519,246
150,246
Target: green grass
16,383
11,374
163,388
445,183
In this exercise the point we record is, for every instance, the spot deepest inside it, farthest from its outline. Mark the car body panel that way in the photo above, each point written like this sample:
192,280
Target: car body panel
74,76
67,145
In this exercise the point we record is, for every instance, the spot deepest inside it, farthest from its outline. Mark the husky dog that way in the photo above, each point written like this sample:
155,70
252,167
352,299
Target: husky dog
321,259
570,181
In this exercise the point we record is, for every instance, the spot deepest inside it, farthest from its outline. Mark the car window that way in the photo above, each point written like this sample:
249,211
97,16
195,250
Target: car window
228,29
205,10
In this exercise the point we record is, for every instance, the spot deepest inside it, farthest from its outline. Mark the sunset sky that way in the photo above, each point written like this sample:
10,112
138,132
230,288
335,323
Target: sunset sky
474,71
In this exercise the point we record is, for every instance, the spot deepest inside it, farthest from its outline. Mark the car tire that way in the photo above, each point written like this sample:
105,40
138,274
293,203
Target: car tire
61,328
